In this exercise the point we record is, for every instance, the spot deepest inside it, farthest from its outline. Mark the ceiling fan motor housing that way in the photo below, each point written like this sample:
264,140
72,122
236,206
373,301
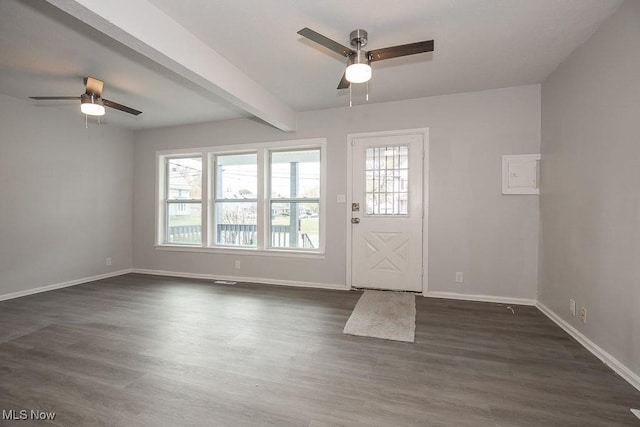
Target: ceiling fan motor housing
359,38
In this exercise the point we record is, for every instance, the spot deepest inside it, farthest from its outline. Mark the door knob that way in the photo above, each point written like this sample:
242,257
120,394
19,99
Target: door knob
355,220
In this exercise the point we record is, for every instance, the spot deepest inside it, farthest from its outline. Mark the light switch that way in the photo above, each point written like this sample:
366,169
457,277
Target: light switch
341,198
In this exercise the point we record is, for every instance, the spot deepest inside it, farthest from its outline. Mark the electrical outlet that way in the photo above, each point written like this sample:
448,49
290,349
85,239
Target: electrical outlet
107,261
237,264
459,277
583,315
572,307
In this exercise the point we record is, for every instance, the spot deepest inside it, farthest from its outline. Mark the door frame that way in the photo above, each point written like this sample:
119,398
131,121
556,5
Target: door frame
425,196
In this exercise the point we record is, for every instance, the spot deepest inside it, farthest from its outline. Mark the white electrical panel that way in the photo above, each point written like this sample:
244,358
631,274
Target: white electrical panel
521,174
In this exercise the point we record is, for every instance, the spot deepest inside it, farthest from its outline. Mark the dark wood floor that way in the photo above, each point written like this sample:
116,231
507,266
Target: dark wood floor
143,350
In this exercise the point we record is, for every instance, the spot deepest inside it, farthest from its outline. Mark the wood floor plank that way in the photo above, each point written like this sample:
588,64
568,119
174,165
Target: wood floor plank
138,350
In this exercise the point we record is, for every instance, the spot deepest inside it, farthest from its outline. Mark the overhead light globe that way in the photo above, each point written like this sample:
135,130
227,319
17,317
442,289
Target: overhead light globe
358,73
91,105
358,68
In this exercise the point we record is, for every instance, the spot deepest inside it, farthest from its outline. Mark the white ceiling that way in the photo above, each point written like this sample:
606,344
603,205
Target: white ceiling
479,44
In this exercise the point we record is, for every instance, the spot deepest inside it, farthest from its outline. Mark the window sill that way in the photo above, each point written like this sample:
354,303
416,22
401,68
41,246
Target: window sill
242,251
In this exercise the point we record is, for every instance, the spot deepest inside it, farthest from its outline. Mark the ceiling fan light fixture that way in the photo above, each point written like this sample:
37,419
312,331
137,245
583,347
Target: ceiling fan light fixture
358,68
91,105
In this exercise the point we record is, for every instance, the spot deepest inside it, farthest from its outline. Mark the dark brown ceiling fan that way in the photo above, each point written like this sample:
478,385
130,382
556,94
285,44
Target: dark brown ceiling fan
91,102
359,60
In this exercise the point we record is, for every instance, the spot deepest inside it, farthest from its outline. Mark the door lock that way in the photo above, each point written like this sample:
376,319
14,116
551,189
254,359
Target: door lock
355,220
355,207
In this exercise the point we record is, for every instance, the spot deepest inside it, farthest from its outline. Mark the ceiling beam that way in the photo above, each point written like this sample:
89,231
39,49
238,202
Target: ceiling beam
149,31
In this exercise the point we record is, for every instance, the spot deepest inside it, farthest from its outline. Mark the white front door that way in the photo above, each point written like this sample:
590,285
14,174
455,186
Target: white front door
387,212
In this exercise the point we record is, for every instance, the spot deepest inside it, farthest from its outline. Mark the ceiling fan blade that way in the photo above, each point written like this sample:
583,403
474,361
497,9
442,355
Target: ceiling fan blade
402,50
94,86
120,107
344,83
326,42
51,98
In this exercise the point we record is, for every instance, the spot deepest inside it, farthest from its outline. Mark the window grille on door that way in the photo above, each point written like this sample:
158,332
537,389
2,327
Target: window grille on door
387,180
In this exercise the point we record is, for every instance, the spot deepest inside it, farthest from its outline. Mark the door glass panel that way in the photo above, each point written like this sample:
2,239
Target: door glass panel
387,180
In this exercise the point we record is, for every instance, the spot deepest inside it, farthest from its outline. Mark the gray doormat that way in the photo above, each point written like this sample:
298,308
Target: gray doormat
386,315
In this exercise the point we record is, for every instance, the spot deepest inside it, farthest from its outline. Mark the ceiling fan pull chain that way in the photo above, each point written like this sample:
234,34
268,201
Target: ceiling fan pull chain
350,104
367,96
86,121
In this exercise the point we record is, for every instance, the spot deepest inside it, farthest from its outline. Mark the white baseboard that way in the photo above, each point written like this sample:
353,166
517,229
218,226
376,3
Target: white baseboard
46,288
481,298
242,279
601,354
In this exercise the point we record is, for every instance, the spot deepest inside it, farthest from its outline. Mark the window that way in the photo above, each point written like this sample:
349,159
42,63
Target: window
236,199
265,197
183,200
295,199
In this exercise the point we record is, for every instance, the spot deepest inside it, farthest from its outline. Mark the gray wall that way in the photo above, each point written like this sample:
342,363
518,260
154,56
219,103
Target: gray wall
492,238
65,196
590,200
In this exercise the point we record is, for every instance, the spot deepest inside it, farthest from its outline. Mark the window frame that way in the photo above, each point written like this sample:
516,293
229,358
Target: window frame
291,200
263,151
215,200
168,201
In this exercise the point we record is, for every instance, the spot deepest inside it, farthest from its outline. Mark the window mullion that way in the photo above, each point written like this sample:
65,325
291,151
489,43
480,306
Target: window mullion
261,208
215,188
204,204
209,197
165,219
296,200
236,200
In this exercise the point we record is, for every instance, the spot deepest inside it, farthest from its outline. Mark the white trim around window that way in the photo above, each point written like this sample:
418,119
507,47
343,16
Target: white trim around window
256,220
